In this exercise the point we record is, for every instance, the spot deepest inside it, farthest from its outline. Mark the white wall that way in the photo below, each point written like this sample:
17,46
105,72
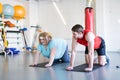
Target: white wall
33,20
49,19
112,24
108,22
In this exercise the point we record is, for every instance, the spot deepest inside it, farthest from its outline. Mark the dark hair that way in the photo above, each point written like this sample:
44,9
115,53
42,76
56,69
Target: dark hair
77,28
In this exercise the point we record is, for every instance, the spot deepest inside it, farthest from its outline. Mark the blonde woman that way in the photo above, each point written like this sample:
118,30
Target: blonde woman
54,49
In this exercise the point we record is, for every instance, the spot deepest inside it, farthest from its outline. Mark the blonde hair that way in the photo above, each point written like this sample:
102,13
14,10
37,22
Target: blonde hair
45,35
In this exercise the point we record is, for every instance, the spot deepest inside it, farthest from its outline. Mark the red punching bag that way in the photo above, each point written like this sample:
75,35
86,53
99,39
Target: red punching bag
89,19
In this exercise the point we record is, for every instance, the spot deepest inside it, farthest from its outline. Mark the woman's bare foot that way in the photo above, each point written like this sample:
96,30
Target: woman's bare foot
48,65
69,68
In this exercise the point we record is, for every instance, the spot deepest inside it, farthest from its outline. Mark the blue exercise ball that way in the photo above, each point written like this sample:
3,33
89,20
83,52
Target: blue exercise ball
8,11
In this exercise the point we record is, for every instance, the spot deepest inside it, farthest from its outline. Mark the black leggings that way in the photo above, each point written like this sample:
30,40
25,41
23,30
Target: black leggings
101,50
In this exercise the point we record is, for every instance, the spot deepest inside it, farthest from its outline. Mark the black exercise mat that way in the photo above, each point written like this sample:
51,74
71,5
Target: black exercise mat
39,65
42,65
80,68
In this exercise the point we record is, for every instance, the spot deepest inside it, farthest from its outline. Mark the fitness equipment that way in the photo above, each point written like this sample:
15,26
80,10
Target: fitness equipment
81,68
9,24
89,19
1,24
25,41
9,31
5,41
2,51
5,49
19,12
1,8
117,66
8,11
37,31
14,41
24,37
42,65
12,51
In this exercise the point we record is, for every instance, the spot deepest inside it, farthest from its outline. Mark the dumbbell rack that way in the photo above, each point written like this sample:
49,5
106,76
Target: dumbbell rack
14,38
11,37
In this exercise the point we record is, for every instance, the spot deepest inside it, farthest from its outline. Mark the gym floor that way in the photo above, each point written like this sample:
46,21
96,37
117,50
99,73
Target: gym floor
17,68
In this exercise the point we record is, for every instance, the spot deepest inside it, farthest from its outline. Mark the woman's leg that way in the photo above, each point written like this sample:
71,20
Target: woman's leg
66,58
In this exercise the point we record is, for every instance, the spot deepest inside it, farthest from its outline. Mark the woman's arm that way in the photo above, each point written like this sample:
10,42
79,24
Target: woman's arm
36,58
52,56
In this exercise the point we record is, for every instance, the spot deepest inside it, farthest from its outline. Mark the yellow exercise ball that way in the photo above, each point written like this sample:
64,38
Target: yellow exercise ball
19,12
1,8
